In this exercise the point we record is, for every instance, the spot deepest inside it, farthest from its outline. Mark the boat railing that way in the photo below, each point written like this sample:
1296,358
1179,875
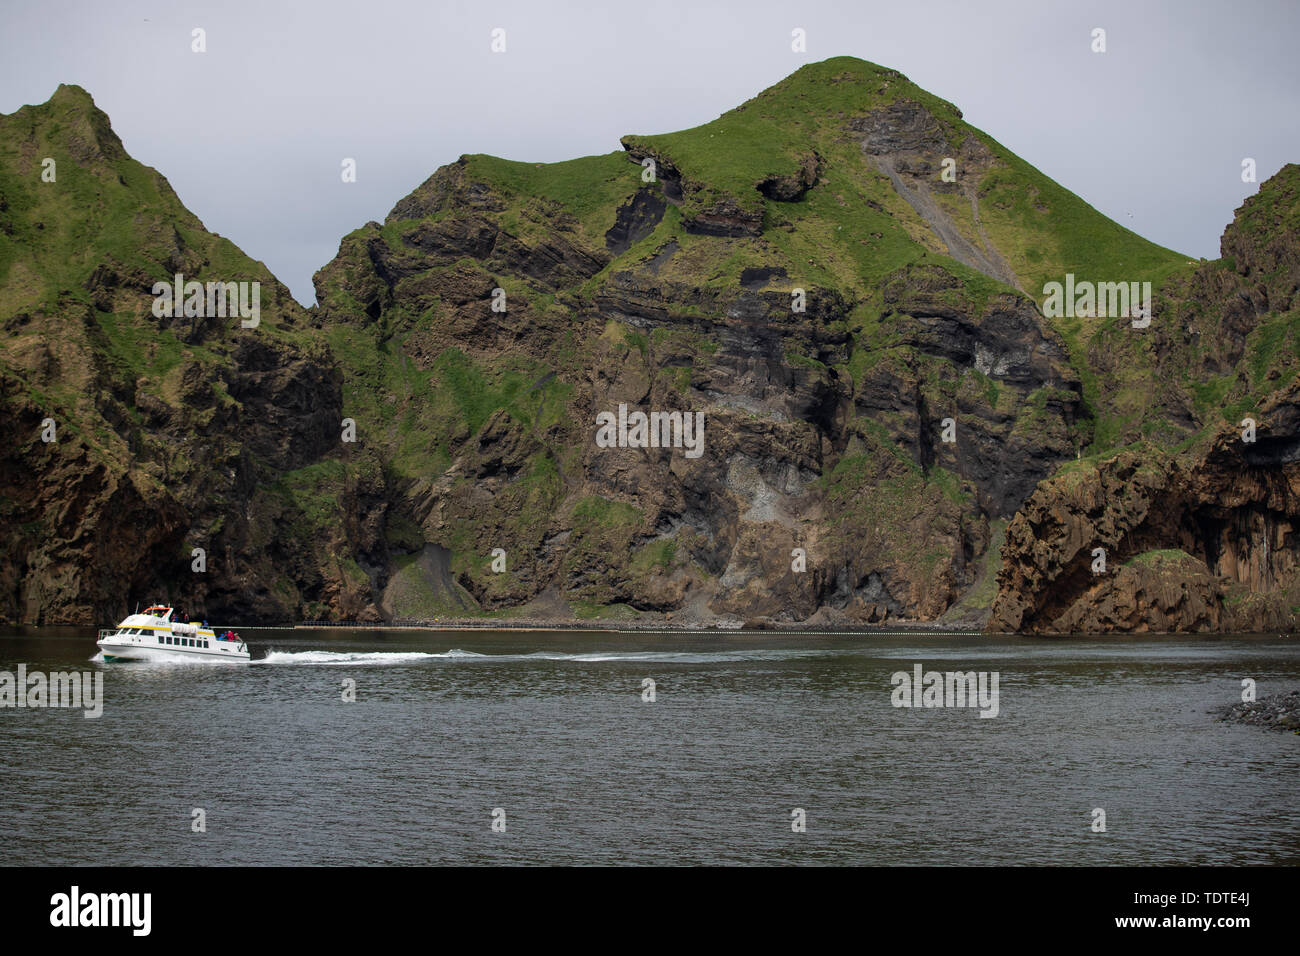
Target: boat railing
106,632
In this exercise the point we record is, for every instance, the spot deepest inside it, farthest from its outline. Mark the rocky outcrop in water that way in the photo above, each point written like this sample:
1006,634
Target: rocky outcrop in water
1279,712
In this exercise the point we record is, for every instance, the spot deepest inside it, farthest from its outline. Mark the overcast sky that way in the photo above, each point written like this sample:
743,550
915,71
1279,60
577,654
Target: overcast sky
252,132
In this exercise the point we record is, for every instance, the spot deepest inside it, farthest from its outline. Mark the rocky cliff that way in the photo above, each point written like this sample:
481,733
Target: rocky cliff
841,276
129,440
1202,536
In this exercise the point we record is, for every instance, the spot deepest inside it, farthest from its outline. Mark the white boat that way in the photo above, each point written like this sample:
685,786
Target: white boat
154,636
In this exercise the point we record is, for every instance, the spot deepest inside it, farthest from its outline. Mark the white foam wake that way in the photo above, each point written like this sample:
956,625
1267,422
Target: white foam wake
599,657
359,657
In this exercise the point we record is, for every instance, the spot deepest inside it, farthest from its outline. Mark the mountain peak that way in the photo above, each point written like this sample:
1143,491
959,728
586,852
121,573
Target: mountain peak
71,120
845,85
70,94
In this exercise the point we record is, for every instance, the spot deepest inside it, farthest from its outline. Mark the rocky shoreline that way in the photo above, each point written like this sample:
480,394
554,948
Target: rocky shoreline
1279,712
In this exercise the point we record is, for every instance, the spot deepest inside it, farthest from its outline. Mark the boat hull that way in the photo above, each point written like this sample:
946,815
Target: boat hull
114,651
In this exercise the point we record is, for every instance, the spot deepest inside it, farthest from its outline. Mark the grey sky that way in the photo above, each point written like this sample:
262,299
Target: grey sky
251,133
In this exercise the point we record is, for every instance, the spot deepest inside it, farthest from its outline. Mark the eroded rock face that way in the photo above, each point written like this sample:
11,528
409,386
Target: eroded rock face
1205,539
169,437
797,451
1163,594
1202,542
100,535
908,144
791,187
90,546
637,218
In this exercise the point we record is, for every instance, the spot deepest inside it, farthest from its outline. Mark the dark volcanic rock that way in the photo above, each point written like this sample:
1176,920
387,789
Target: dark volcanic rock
637,218
1279,712
791,188
1231,512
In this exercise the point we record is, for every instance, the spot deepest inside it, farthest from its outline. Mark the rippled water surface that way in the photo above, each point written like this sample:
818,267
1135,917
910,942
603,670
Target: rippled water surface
552,729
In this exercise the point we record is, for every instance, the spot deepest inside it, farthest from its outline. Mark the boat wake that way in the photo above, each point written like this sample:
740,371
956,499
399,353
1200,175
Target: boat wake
654,657
681,657
361,657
